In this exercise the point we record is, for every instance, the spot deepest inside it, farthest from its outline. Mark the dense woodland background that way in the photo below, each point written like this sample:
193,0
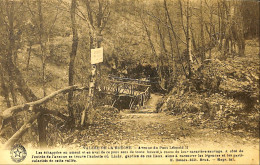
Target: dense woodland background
202,55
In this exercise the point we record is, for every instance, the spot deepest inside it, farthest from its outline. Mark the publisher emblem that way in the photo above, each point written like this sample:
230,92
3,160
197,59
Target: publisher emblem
18,153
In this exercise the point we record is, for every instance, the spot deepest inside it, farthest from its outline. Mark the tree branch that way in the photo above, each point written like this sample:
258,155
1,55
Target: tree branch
153,16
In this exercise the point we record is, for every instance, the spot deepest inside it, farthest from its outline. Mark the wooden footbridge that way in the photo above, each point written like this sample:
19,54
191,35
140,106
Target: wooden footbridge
137,89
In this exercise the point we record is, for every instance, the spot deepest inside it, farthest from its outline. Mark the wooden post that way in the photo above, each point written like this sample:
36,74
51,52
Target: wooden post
142,100
42,131
117,92
149,93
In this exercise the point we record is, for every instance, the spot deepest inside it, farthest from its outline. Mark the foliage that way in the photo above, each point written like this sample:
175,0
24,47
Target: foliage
222,94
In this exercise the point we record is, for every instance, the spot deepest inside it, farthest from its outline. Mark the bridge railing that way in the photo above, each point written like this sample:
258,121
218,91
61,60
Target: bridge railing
125,79
123,86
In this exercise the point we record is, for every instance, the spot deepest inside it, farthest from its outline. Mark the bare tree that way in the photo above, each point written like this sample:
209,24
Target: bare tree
202,31
73,54
43,48
97,17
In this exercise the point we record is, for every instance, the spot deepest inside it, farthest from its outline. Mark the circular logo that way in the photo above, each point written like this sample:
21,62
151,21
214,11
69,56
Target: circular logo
18,153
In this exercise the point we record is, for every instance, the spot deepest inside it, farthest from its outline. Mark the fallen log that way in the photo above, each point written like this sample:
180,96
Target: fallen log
12,110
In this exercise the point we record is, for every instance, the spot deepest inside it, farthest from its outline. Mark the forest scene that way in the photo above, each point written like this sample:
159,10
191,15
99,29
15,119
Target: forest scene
173,71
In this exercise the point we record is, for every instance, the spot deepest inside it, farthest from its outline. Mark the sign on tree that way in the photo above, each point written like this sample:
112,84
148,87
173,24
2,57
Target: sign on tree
96,55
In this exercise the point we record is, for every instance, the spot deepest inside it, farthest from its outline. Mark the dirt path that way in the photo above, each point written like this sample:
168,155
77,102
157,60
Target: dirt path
150,106
151,128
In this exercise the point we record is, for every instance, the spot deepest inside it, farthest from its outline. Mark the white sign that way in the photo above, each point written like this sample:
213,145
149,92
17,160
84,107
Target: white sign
96,55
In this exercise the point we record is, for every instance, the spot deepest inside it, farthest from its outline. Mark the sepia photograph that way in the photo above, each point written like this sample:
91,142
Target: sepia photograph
129,81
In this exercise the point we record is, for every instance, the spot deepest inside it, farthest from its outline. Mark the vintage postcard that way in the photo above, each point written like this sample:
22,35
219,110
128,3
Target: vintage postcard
129,82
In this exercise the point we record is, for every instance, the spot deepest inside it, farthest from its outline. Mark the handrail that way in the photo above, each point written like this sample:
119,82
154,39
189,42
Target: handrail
8,113
129,83
130,79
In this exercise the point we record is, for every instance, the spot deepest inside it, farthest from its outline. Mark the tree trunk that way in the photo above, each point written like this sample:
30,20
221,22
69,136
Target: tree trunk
11,45
210,34
149,38
9,57
174,34
202,33
29,56
40,119
174,65
4,88
193,38
43,51
188,40
163,82
42,123
172,52
72,59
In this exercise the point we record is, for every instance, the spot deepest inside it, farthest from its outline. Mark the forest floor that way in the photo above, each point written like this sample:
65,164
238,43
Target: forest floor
146,127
